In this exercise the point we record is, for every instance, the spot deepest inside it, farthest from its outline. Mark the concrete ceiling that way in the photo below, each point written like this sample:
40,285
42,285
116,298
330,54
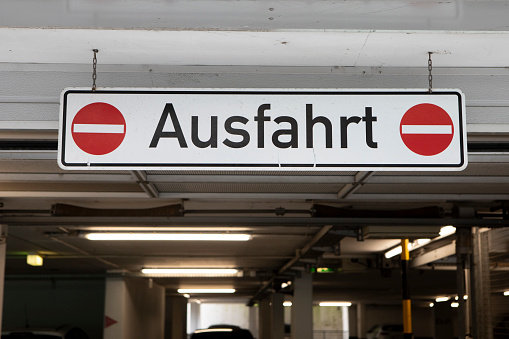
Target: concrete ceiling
272,33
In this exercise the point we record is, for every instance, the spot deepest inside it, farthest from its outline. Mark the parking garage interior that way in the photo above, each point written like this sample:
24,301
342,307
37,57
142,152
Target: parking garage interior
310,236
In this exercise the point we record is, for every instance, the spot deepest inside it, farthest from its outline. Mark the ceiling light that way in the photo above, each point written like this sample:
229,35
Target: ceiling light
455,304
506,293
34,259
208,330
465,297
205,290
431,304
335,303
286,284
287,303
441,299
192,272
411,246
168,236
393,252
447,230
420,242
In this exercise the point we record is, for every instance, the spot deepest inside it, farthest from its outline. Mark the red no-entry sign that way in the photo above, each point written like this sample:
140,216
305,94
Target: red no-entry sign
427,129
98,128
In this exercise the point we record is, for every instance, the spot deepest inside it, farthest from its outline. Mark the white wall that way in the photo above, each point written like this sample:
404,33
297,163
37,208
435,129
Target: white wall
231,314
328,318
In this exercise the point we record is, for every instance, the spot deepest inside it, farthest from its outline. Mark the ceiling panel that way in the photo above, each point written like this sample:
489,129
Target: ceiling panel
434,188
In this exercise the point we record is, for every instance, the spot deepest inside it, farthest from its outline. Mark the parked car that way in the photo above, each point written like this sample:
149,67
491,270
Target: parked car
385,331
222,332
64,332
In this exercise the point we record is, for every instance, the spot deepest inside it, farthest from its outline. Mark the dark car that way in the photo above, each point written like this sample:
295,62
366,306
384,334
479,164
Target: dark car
64,332
386,331
222,332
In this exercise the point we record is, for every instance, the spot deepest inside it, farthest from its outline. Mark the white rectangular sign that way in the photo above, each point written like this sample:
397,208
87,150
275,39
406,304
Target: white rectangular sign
262,129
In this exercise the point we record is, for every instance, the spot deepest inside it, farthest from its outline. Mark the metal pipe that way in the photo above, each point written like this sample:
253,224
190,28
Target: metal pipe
109,263
247,221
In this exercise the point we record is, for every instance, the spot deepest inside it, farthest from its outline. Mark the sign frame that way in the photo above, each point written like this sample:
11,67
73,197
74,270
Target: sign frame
64,163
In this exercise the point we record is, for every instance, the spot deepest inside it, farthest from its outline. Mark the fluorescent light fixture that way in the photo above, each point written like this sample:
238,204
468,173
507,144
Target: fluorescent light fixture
506,293
447,230
335,303
34,259
192,272
287,303
127,236
411,246
394,252
420,242
441,299
455,304
208,330
205,290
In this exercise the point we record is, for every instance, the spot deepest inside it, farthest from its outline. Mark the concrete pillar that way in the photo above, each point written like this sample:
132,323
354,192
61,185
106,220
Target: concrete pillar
361,321
175,319
264,317
134,308
115,308
480,296
302,307
272,317
194,321
253,321
443,320
278,316
463,260
345,322
3,245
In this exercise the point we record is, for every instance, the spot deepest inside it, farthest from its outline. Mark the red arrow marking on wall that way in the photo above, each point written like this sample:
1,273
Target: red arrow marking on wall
108,321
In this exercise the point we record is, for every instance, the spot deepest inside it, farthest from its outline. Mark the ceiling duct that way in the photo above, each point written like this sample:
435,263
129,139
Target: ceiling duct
336,212
63,210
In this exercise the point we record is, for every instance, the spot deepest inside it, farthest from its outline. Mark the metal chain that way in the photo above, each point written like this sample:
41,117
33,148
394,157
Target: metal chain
94,69
430,76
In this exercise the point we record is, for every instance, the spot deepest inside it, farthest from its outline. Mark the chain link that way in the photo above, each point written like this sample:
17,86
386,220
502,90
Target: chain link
430,76
94,69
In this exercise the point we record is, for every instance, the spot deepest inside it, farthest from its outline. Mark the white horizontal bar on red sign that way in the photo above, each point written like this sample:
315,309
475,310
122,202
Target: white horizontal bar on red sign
98,128
426,129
